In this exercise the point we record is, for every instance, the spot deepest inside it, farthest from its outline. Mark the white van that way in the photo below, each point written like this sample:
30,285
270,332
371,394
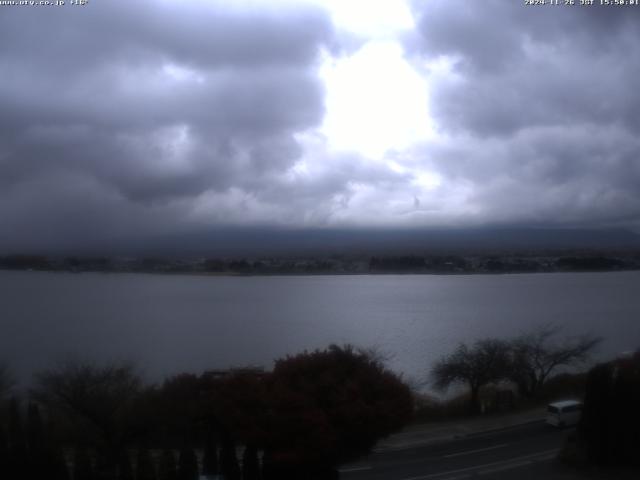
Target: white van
564,413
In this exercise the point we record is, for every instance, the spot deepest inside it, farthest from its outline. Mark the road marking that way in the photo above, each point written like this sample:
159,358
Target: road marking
469,452
547,454
354,469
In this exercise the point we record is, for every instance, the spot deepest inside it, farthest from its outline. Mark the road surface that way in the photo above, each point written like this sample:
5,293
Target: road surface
523,452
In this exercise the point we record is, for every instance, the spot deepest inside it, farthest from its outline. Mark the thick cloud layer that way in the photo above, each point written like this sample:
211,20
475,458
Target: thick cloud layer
132,119
536,108
117,113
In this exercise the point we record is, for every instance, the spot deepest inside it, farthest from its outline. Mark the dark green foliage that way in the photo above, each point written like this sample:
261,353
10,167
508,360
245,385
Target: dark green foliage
250,464
55,464
187,465
210,464
610,425
4,451
26,453
239,401
125,472
181,407
18,461
105,467
82,466
16,432
145,469
39,454
35,430
167,469
316,410
229,460
269,466
331,406
59,469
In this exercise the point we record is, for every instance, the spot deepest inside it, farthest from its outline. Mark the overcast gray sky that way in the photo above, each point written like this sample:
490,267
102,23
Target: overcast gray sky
132,118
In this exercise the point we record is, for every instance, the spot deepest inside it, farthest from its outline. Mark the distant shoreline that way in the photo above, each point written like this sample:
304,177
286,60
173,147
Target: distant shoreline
451,264
310,274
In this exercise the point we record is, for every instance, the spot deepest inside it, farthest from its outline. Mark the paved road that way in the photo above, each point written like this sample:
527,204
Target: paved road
523,452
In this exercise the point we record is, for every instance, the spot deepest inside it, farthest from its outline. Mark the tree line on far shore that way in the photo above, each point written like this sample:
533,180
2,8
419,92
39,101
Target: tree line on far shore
344,264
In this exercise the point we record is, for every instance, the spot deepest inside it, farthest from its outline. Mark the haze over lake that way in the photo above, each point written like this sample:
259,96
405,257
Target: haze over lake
170,324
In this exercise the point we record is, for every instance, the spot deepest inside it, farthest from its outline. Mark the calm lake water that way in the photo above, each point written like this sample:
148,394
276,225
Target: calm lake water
169,324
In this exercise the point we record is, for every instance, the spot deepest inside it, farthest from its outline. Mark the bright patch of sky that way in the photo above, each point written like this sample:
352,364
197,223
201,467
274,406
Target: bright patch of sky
370,18
375,100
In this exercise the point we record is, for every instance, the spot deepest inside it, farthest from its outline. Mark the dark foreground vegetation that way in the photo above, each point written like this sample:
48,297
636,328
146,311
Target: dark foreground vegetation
608,435
313,412
526,362
532,370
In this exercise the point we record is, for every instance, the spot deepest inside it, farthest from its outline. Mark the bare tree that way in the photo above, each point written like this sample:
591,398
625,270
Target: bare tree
537,354
484,362
98,398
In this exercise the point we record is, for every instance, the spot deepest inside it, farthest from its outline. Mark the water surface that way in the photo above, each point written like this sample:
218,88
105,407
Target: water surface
173,323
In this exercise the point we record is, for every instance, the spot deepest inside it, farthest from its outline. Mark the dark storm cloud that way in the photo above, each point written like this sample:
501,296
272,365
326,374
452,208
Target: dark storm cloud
133,119
536,107
122,111
200,33
526,66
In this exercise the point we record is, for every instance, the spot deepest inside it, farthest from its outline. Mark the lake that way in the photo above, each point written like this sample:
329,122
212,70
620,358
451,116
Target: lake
174,323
